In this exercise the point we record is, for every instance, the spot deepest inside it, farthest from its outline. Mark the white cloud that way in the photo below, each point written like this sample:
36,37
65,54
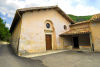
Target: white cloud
9,6
81,10
4,18
8,25
78,1
2,10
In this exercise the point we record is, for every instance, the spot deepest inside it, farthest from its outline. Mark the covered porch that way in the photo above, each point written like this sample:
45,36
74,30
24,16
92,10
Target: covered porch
77,39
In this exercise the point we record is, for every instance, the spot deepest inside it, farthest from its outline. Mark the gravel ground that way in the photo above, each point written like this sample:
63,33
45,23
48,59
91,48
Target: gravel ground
61,59
9,59
71,59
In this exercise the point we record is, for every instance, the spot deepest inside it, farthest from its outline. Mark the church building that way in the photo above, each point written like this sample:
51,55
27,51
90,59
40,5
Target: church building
38,29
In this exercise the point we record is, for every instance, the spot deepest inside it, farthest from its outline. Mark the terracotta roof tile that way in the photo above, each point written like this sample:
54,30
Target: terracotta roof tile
80,22
77,31
95,17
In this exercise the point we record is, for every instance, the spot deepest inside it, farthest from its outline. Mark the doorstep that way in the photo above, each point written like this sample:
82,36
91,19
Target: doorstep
44,53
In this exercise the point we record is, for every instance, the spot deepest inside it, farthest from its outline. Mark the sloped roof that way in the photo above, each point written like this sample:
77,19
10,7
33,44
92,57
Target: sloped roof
19,13
80,22
77,31
95,17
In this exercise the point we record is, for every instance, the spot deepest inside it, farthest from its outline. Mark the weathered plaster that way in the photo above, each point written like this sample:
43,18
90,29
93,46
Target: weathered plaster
84,40
68,47
80,25
68,40
95,28
15,36
85,48
32,38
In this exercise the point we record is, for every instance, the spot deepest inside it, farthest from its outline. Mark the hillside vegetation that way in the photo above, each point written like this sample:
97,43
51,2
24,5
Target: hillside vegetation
79,18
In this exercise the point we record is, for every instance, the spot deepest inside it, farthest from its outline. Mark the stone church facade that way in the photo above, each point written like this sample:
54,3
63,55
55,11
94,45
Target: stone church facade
38,29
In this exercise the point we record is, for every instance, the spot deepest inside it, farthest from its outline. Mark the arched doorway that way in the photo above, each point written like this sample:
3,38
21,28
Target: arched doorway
48,29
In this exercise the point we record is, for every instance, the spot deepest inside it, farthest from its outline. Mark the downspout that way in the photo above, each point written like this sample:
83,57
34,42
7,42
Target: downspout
92,45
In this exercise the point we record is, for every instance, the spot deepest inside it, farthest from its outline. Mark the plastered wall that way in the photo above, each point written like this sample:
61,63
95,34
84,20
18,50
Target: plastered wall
84,40
82,25
32,38
15,36
95,28
68,40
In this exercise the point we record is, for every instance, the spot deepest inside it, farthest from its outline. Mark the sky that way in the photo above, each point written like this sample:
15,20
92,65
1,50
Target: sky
75,7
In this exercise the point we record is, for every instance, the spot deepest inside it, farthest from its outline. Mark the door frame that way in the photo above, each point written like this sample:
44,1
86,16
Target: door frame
51,38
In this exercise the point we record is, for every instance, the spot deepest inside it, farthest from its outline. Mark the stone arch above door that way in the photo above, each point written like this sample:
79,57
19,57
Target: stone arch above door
48,25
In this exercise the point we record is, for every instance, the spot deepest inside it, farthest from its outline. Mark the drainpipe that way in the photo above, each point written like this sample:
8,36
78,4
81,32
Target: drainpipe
92,45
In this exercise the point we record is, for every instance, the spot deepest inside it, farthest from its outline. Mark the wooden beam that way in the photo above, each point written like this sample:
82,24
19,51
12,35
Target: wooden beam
46,9
40,9
29,11
23,12
56,8
51,8
33,10
59,11
18,14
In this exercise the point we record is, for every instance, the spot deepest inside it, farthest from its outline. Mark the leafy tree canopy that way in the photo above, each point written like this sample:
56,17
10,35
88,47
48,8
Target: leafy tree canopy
4,31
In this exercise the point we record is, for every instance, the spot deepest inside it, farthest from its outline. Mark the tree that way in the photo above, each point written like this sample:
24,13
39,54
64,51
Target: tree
4,31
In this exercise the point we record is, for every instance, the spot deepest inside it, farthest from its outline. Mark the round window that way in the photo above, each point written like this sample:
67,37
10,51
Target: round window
65,27
48,25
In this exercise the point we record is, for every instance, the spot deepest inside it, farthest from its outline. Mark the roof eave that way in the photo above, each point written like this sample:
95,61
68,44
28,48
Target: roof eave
14,22
47,7
80,23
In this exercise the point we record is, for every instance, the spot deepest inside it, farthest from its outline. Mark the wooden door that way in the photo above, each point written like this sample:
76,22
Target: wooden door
48,42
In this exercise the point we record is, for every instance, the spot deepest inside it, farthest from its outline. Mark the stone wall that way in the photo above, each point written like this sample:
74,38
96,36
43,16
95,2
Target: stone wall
85,48
67,47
